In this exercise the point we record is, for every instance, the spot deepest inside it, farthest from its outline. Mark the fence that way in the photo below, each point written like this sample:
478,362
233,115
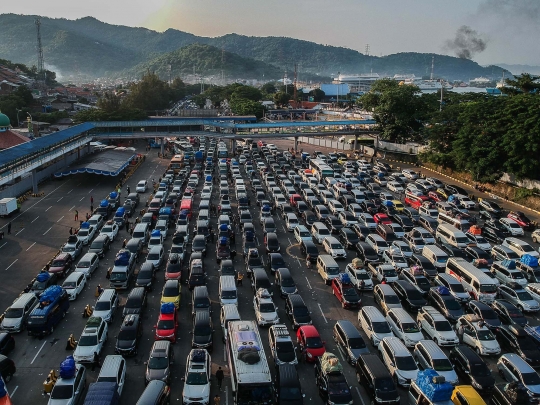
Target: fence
404,148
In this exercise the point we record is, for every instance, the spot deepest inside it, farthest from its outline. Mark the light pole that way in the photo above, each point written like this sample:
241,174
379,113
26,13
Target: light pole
30,125
337,96
18,122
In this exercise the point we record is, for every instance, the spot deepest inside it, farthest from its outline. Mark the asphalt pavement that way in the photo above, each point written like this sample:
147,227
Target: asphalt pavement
43,226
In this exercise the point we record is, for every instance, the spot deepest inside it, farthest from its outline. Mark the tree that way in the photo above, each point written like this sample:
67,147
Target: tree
269,88
109,102
247,92
525,83
281,99
244,106
178,89
317,94
397,109
149,94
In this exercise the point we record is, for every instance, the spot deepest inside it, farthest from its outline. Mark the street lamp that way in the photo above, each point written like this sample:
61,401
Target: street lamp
18,122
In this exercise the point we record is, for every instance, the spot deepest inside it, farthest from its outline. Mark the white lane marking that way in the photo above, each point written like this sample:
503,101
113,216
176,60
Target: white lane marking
227,395
48,208
37,354
19,232
90,191
61,218
322,313
59,199
13,392
29,247
47,231
81,199
361,399
341,354
34,219
12,264
5,243
309,285
79,184
72,208
70,191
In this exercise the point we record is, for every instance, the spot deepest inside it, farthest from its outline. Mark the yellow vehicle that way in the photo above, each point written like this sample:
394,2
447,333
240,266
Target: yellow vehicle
177,163
398,205
466,395
443,192
171,292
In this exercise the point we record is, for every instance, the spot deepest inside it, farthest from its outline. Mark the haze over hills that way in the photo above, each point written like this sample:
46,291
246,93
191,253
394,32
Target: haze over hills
90,47
519,69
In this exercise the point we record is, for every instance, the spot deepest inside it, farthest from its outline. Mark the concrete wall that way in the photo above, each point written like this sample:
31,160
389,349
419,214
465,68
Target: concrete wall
405,148
25,184
325,142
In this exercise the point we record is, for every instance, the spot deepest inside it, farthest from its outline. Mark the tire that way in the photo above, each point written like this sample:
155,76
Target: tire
520,307
534,239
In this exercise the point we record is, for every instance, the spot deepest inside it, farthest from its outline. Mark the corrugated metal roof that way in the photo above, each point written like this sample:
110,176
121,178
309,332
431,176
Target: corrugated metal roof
42,143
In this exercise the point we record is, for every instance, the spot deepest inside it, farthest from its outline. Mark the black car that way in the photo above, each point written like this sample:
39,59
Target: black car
297,311
427,267
301,207
373,375
405,222
275,261
309,218
475,253
226,268
409,296
128,338
349,341
100,245
348,238
285,282
367,253
445,303
488,215
333,224
203,331
471,369
361,231
7,343
136,301
197,277
453,189
513,338
509,313
486,313
453,251
497,226
308,247
147,273
271,242
490,206
369,207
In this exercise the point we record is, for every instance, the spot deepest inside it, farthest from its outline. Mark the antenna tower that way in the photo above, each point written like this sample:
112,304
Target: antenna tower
367,50
295,80
222,64
40,66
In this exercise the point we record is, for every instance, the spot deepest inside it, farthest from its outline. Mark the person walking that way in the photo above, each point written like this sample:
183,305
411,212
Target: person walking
217,399
95,361
71,231
233,254
362,286
219,377
91,200
9,228
76,215
92,208
308,261
127,189
239,279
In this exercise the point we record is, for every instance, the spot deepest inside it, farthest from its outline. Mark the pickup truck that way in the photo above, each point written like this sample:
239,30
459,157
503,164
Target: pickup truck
381,271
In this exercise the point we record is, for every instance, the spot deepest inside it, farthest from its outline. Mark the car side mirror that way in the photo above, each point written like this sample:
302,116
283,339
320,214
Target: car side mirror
145,363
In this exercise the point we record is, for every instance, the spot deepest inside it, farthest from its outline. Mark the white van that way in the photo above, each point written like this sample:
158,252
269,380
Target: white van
461,224
227,290
327,268
436,256
16,315
451,236
480,286
113,369
229,312
374,324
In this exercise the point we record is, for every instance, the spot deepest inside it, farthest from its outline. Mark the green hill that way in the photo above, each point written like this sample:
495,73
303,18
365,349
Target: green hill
91,47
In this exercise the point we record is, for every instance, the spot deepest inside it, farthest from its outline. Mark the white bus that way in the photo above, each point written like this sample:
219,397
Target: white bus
320,169
478,284
250,375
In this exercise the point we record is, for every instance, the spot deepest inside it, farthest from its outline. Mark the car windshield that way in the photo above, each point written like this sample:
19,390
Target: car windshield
170,291
381,327
443,326
14,313
228,294
524,296
62,392
83,265
530,378
285,347
300,311
97,245
267,307
357,343
83,232
485,335
398,259
196,378
349,292
118,276
442,365
384,384
127,334
165,324
488,288
514,225
526,343
102,306
158,363
452,305
88,340
202,330
392,299
517,275
69,284
290,394
153,256
515,313
323,231
406,363
389,273
69,248
314,342
423,283
480,369
462,239
336,246
410,327
287,282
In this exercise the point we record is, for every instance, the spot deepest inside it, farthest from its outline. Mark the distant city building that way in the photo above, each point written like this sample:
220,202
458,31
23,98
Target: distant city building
9,138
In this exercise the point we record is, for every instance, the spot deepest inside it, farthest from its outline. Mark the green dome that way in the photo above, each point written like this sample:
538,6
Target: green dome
4,120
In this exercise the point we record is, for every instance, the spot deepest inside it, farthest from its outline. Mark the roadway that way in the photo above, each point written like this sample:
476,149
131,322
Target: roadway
43,226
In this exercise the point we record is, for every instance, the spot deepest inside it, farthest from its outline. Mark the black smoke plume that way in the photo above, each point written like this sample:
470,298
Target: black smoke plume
466,43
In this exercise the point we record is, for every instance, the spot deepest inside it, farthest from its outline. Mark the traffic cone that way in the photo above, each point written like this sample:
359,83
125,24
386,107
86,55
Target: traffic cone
49,382
87,311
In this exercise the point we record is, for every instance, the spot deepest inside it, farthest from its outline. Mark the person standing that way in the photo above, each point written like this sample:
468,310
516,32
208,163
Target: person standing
76,215
362,286
71,231
92,208
219,377
233,254
91,200
239,279
95,361
9,228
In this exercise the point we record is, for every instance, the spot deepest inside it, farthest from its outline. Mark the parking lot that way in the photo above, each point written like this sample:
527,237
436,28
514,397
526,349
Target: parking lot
43,227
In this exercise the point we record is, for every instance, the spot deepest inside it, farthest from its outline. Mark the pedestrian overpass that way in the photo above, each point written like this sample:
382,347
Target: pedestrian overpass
26,158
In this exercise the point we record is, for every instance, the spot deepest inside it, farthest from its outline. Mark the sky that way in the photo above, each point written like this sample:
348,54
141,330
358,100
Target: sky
509,28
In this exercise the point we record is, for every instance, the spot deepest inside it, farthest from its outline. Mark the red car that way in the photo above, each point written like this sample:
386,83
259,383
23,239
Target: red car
435,196
174,268
381,218
415,201
310,342
61,265
167,324
294,198
521,219
345,292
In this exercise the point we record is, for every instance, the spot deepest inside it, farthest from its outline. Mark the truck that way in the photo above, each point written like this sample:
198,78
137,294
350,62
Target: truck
331,382
8,206
102,393
123,269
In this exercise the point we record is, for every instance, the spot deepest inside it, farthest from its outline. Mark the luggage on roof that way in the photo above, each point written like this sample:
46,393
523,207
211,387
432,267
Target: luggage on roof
434,386
167,308
529,260
68,368
104,203
330,363
509,264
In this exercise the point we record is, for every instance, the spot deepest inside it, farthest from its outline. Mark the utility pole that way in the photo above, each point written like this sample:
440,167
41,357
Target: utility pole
41,63
222,65
295,81
285,80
